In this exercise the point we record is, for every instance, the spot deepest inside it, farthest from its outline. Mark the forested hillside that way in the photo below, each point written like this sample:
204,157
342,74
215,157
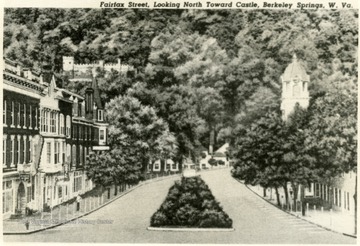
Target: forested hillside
199,70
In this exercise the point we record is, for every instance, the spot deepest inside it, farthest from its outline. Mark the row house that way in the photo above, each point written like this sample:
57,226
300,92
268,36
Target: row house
48,133
22,92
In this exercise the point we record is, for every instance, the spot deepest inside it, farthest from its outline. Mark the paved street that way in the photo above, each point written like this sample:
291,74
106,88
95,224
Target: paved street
254,220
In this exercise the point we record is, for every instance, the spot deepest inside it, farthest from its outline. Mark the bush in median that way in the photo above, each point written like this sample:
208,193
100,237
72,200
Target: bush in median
190,203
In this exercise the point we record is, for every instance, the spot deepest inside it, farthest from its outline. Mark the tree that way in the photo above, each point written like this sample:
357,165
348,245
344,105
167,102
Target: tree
137,130
259,153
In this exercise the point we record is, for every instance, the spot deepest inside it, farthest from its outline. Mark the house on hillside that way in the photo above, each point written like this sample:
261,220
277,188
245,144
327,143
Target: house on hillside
219,158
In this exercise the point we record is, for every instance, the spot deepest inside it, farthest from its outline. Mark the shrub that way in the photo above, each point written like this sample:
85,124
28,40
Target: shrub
190,203
212,162
214,218
159,219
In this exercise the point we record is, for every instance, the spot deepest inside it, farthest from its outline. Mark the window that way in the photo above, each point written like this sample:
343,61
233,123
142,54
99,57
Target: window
86,132
18,115
12,148
80,132
100,115
174,166
46,122
52,122
156,166
29,146
77,183
36,119
73,153
12,114
81,155
59,191
4,150
21,150
348,200
68,153
62,124
24,149
57,152
167,166
7,196
68,126
30,117
25,125
18,150
4,113
102,135
296,89
48,153
63,152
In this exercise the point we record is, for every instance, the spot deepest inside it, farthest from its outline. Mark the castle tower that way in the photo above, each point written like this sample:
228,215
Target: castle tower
68,63
294,88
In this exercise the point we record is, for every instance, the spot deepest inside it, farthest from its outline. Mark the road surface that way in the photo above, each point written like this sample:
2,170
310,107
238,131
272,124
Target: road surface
126,219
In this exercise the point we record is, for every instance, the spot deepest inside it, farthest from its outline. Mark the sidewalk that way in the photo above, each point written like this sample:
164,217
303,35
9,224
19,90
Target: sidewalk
337,221
68,212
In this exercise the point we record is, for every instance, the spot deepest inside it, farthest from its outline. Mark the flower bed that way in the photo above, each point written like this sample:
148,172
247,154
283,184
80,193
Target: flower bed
190,203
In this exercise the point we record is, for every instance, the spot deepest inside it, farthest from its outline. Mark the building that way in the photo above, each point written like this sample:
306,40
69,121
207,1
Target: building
339,192
161,166
22,93
85,72
48,133
220,156
294,88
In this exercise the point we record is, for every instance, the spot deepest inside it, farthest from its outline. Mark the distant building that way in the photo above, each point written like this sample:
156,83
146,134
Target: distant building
294,88
220,156
85,72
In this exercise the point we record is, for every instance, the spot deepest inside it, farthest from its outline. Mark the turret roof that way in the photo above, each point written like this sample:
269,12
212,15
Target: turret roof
295,69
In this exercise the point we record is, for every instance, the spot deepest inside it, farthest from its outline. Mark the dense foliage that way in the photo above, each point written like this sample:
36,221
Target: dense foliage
190,203
201,73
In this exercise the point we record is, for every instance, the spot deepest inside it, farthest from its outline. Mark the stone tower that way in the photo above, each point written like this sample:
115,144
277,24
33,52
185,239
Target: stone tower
68,63
294,88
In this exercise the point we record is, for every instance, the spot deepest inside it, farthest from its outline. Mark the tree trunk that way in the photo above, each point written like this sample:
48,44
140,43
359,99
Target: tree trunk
295,188
355,200
286,195
302,197
277,197
264,191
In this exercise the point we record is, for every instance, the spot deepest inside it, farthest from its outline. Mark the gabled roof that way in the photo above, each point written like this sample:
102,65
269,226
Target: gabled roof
295,70
223,148
219,154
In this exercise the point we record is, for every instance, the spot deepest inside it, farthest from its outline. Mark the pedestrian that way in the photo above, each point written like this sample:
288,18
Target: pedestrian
27,224
78,200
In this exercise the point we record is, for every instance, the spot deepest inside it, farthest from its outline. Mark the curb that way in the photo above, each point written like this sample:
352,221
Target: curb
89,212
190,229
296,216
